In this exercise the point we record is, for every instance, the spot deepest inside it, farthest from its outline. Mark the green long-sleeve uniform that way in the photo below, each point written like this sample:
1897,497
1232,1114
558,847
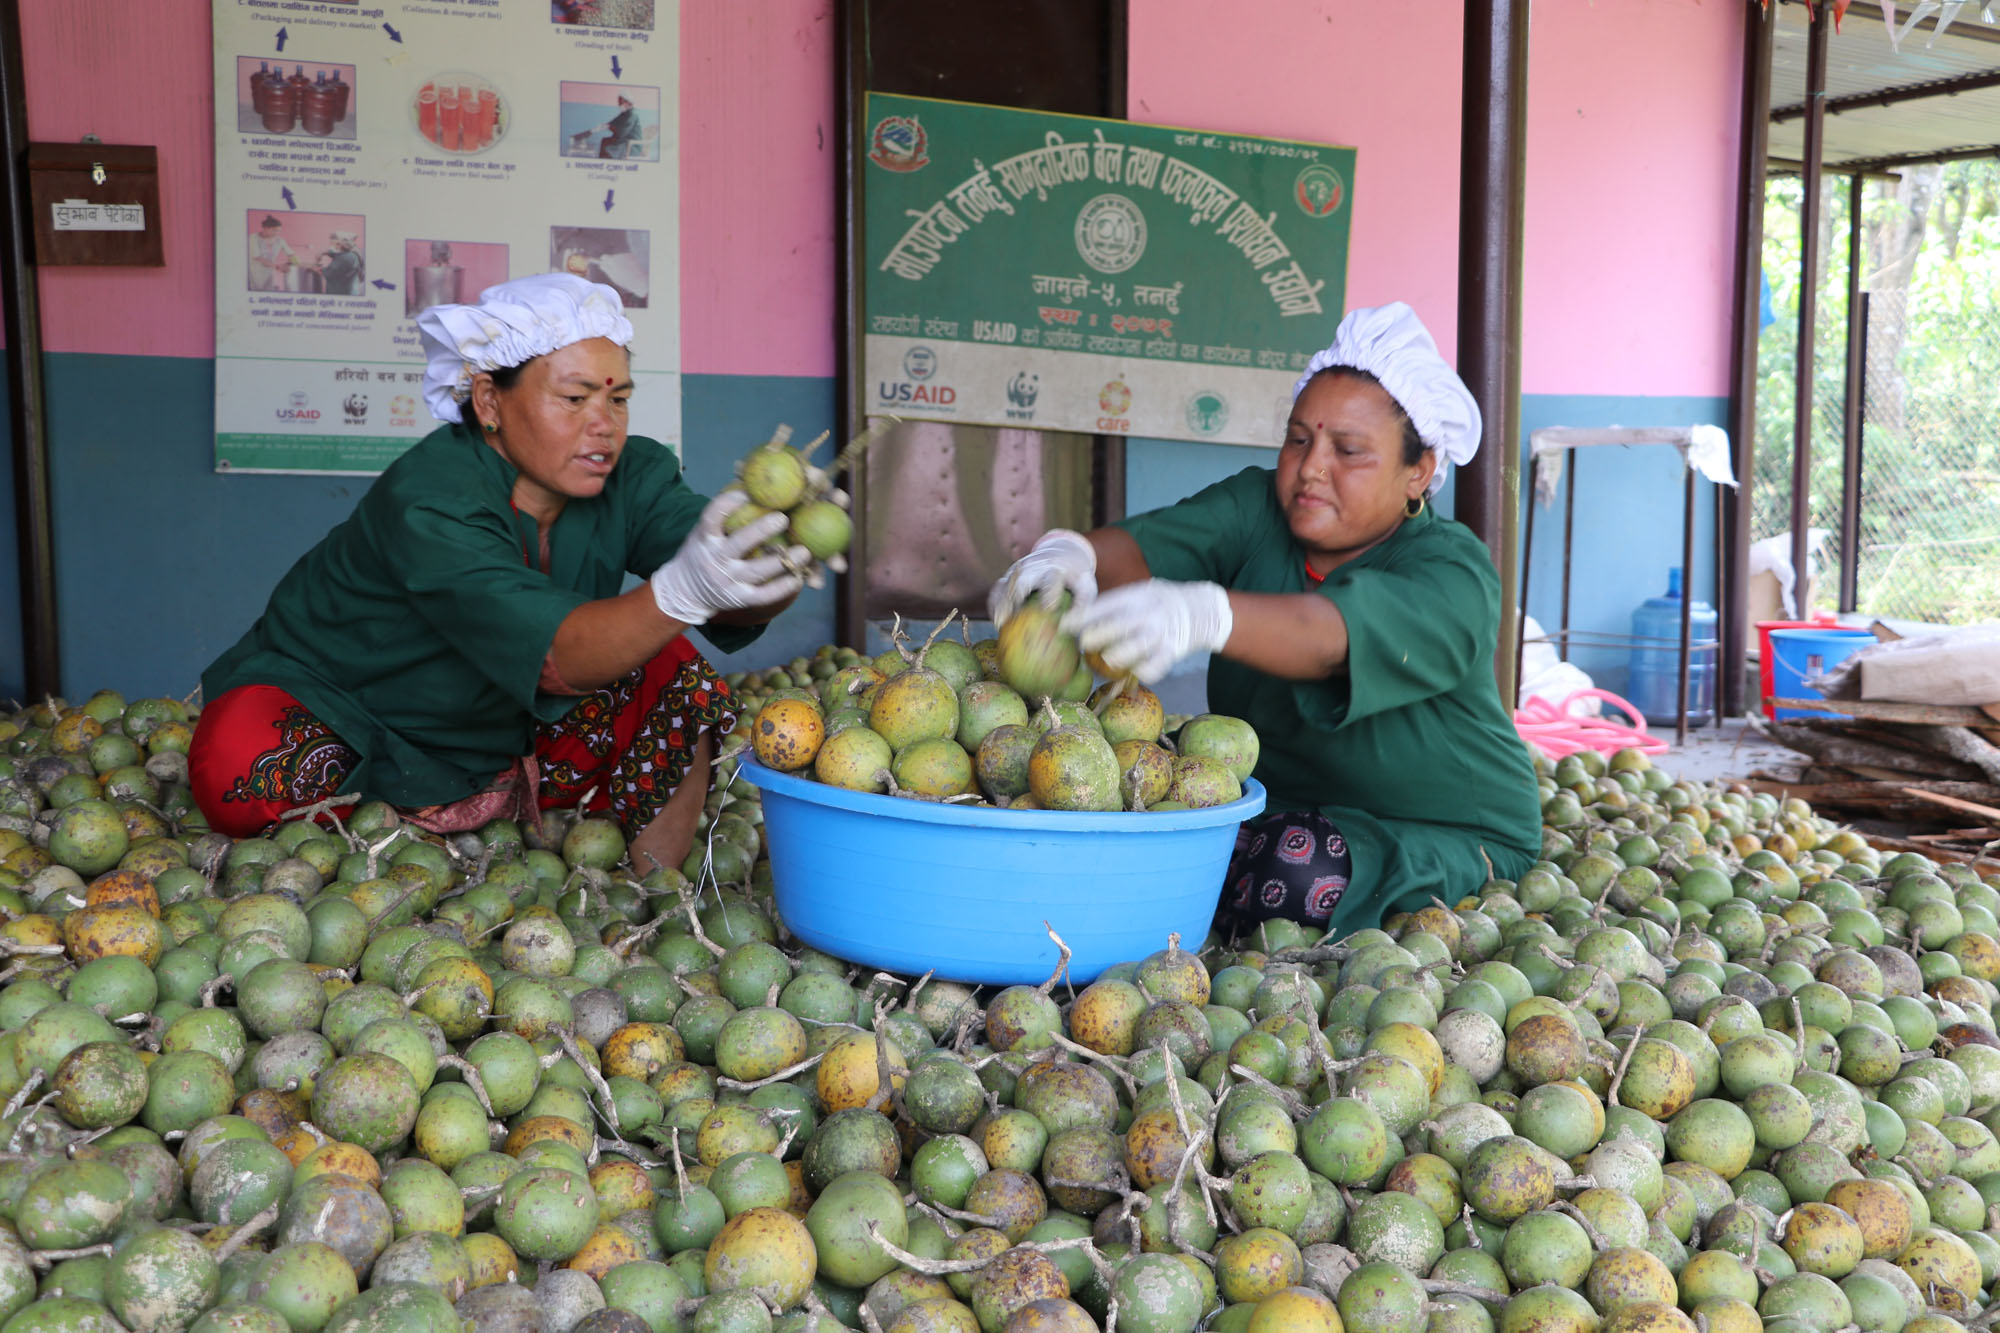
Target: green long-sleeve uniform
417,629
1407,749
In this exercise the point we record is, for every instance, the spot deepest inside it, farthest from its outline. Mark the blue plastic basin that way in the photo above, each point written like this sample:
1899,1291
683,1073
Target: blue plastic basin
1799,653
912,886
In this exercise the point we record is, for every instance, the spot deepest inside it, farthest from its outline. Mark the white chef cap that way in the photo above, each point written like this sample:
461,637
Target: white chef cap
1392,344
513,323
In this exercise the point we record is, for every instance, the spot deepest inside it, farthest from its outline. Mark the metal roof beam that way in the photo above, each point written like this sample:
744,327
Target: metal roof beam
1965,29
1874,166
1908,92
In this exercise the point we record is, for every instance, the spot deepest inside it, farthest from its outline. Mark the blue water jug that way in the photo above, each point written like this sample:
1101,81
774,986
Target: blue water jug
1655,659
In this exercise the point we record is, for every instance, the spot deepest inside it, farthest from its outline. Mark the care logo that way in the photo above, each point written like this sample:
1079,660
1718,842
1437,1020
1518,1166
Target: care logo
402,410
1110,233
356,407
920,363
1114,398
1207,412
298,408
899,144
1319,191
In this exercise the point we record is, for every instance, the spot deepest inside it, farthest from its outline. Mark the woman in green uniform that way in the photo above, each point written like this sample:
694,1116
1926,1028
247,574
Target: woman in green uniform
1352,626
461,646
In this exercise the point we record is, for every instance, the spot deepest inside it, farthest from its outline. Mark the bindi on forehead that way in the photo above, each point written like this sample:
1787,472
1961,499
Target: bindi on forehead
609,381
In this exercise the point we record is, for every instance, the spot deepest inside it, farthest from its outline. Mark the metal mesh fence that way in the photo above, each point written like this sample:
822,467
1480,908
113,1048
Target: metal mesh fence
1928,545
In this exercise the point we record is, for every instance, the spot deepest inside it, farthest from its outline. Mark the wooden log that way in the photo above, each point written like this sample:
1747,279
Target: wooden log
1880,710
1849,752
1961,744
1955,803
1873,774
1882,798
1936,853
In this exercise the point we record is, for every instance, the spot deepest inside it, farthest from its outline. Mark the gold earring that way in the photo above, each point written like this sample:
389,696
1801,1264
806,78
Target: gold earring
1411,512
490,427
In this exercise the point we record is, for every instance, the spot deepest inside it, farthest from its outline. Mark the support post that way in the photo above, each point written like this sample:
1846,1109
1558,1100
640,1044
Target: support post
850,619
1753,137
1492,180
1855,405
1809,211
20,315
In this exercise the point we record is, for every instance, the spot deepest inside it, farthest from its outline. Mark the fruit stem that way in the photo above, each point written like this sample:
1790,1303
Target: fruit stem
1570,1210
942,625
1631,1045
779,1077
50,1258
609,1110
470,1073
244,1234
1294,1104
20,1098
1062,963
1111,1063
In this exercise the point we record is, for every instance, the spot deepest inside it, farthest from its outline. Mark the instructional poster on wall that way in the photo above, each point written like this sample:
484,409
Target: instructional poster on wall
1068,273
373,161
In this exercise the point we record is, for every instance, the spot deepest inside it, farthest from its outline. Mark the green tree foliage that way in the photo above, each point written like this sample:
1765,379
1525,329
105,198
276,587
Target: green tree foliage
1930,521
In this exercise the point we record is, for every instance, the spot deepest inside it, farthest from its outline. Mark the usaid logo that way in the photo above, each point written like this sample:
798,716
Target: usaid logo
298,408
920,363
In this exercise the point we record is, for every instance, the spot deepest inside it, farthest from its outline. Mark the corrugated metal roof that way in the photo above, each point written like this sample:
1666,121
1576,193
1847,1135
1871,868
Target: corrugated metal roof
1861,61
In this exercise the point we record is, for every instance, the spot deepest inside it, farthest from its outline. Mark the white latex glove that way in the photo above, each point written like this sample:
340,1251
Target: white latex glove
714,572
1060,560
1145,627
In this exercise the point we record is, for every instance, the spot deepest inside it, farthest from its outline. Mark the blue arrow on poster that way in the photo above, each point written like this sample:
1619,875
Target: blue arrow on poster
290,202
607,200
281,39
616,72
394,36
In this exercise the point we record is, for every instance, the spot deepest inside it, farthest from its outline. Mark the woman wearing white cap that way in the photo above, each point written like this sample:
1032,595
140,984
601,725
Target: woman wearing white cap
1350,625
459,647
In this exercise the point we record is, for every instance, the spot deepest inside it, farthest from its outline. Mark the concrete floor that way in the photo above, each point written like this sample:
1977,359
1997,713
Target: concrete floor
1731,750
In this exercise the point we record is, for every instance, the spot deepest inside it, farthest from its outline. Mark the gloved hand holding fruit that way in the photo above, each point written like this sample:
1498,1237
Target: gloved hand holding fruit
1061,561
1143,628
718,567
775,478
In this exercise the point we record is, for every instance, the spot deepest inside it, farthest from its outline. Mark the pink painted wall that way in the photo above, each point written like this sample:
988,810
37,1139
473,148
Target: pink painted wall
759,137
1632,114
1629,251
756,177
1632,111
1380,77
96,67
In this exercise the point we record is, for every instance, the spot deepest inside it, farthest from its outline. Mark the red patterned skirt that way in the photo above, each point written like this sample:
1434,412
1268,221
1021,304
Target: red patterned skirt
258,753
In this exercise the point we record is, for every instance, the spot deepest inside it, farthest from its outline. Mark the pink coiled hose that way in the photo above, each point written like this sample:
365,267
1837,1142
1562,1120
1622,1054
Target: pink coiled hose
1552,729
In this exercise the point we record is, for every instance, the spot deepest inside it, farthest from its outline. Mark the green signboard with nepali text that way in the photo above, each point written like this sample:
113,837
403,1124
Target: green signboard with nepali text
1068,273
